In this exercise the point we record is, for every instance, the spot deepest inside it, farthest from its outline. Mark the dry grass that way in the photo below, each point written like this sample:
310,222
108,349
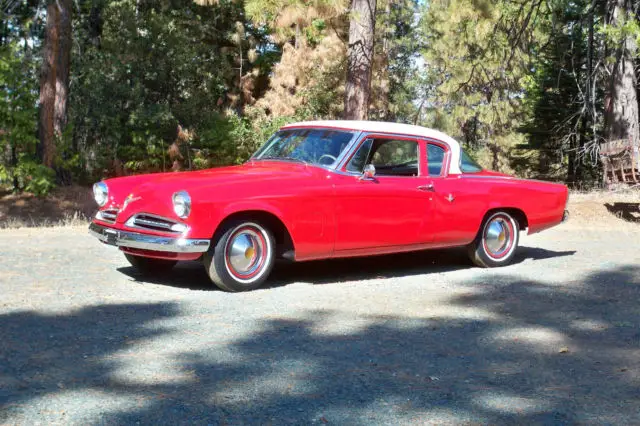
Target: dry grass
69,220
66,206
73,206
622,194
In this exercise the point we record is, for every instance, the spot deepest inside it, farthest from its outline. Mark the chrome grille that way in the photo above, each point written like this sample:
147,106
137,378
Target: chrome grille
108,215
151,222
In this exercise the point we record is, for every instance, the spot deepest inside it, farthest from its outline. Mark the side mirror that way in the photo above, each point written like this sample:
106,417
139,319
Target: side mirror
368,172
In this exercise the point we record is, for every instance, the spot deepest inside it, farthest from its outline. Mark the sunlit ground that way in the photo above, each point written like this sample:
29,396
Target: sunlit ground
412,339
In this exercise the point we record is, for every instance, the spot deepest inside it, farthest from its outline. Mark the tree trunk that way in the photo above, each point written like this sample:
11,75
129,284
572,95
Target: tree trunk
622,112
95,24
360,59
62,69
48,86
4,35
387,39
572,161
577,173
54,78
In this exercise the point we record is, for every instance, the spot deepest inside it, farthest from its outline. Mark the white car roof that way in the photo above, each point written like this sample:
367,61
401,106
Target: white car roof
395,128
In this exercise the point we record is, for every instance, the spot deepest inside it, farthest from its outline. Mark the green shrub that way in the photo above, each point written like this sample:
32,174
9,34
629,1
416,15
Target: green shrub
29,176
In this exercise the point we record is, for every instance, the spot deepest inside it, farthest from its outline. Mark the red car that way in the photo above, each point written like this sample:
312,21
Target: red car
319,190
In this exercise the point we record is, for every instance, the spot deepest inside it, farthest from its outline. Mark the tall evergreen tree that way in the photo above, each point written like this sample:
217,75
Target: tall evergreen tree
478,57
566,108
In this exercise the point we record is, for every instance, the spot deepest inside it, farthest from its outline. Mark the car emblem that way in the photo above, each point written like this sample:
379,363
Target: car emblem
130,199
450,198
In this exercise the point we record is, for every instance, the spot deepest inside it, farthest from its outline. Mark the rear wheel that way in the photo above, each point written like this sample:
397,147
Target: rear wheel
242,257
496,243
149,266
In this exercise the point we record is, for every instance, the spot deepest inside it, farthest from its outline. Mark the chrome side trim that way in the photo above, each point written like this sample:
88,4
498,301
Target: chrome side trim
136,240
513,178
474,176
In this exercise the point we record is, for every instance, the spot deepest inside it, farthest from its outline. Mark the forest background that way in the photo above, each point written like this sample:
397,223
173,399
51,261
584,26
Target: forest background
97,88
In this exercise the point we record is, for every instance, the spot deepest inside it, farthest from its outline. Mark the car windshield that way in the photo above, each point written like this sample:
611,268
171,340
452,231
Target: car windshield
467,164
315,146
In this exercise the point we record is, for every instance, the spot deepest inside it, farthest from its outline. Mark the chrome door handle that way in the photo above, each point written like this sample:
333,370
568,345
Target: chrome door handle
427,188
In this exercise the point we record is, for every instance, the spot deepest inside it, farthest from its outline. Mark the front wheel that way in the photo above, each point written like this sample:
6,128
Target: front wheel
496,242
149,266
242,257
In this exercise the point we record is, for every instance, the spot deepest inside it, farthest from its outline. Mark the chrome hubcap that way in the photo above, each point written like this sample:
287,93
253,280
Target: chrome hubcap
497,236
245,252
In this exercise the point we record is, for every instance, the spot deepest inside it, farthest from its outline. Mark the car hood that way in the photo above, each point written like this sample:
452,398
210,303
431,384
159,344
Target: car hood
168,183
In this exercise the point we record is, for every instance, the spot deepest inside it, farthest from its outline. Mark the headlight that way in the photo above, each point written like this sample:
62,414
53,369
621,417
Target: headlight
101,193
182,204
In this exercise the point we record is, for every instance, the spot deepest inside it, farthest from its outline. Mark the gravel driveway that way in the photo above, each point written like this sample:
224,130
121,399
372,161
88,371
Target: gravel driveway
411,339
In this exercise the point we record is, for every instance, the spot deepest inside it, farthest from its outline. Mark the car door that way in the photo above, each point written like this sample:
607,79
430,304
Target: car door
389,209
457,203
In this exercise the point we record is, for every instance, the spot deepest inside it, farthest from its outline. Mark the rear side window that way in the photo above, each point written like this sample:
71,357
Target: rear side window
467,164
435,159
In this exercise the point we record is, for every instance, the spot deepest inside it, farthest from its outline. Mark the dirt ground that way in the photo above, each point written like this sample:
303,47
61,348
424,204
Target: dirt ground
617,208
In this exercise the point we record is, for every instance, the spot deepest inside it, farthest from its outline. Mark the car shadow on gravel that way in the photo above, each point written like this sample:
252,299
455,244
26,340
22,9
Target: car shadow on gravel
390,266
185,275
509,352
192,276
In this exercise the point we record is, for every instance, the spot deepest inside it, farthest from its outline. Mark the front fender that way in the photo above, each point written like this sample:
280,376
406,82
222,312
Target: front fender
261,205
217,214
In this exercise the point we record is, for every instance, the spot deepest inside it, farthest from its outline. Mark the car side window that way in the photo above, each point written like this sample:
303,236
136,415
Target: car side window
468,165
359,160
435,159
391,157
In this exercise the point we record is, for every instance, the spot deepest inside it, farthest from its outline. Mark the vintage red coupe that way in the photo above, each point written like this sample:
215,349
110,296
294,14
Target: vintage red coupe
319,190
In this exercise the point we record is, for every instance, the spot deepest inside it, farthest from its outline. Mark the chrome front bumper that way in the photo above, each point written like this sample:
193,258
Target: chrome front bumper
116,237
